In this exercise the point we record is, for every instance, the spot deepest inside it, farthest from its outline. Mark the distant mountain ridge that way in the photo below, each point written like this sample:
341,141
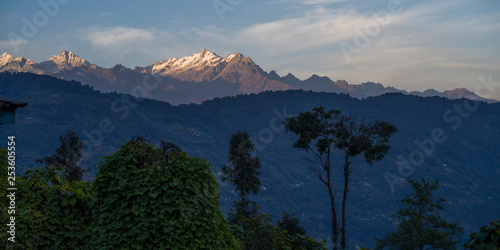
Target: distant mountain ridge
200,77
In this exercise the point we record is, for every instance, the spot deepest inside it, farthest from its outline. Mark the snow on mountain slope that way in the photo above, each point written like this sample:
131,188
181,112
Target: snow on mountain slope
69,58
208,66
198,61
5,58
200,76
64,61
195,62
9,63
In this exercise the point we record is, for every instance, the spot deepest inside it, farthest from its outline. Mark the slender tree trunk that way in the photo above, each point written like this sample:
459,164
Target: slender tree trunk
331,192
335,232
344,199
244,212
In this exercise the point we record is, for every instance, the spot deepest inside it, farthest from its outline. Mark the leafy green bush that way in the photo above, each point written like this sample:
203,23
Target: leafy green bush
50,212
152,198
488,237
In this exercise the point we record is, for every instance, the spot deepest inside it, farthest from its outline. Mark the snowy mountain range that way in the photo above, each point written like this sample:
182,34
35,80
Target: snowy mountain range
198,77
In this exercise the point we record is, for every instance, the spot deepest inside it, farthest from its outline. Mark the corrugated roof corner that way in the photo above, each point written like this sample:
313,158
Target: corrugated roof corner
4,101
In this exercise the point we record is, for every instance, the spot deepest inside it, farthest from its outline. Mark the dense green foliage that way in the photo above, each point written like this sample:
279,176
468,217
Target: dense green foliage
50,213
261,233
143,197
420,224
488,237
466,162
152,198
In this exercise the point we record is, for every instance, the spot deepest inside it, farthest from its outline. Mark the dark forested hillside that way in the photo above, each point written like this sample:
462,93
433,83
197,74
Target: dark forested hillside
456,141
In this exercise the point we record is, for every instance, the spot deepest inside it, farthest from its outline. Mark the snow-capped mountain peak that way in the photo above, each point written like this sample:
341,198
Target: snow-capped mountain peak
9,63
232,56
6,58
204,58
232,75
68,58
201,60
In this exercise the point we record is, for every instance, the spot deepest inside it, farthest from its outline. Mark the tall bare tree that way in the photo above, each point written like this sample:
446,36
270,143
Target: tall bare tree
320,132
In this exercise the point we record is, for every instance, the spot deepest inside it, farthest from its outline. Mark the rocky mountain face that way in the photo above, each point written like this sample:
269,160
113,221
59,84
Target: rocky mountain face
198,77
208,66
20,64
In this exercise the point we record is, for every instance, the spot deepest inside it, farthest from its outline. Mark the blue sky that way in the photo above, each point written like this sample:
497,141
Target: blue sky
413,45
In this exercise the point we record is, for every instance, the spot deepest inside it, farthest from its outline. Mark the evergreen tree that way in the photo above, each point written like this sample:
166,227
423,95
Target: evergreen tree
420,226
244,174
67,157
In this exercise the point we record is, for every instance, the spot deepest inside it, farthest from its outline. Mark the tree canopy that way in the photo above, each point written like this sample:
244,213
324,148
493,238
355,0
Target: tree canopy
243,173
66,157
420,225
244,169
320,132
147,197
50,211
488,237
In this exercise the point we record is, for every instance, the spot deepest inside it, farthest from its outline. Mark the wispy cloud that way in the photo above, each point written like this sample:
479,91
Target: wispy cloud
317,27
122,43
307,2
119,35
12,44
421,45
